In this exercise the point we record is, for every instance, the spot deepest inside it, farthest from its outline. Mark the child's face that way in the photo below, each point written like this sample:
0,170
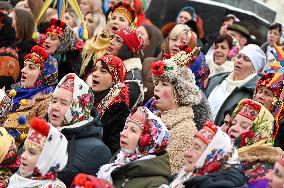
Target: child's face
29,159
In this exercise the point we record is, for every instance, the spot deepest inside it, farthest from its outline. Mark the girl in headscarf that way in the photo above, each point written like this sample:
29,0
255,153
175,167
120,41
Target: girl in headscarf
250,129
70,111
111,97
32,94
45,154
212,161
142,160
9,159
276,176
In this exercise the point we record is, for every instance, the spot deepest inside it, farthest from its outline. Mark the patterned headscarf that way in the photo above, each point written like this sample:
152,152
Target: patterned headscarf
175,71
153,141
219,154
119,91
79,112
131,38
5,107
47,79
262,127
53,154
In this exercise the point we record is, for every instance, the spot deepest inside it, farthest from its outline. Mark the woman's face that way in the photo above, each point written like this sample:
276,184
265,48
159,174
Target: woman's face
239,125
265,96
70,20
175,41
85,6
117,21
242,67
115,45
221,52
145,36
29,159
51,43
129,137
276,176
164,96
30,74
102,78
90,22
194,153
60,103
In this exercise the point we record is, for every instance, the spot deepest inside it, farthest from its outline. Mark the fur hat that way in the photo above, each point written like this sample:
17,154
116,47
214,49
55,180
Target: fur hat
176,71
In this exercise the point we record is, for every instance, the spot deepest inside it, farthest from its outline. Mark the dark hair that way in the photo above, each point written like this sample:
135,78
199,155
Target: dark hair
125,53
5,6
104,66
25,24
226,38
277,26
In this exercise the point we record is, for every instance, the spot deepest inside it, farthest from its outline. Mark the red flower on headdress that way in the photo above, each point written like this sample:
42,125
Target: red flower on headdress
144,140
158,67
246,137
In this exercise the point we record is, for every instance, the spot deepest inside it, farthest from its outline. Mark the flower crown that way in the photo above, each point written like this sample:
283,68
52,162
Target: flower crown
57,27
185,57
125,9
38,56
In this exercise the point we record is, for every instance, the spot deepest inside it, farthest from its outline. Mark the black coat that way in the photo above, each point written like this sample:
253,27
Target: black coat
229,178
86,151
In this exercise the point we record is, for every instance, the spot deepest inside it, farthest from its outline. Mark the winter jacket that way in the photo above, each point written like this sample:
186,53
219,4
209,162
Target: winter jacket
228,178
86,151
143,173
134,81
239,93
182,129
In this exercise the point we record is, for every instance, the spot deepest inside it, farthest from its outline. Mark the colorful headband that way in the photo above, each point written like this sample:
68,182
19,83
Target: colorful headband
38,56
207,133
139,117
37,135
250,109
57,27
124,8
69,83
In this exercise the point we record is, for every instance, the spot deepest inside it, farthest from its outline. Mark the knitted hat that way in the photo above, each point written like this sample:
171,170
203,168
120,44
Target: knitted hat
116,67
5,107
176,71
37,134
38,56
124,8
131,38
256,56
262,122
207,133
57,27
68,84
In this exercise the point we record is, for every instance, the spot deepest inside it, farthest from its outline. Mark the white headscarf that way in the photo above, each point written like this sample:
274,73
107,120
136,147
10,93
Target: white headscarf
53,158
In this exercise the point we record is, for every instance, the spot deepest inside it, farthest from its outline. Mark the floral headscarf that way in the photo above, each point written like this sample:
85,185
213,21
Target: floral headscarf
153,141
47,79
262,127
79,112
218,155
119,91
53,157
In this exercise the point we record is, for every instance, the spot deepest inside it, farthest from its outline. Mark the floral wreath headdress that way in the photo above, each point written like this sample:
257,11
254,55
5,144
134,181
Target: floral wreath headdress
38,56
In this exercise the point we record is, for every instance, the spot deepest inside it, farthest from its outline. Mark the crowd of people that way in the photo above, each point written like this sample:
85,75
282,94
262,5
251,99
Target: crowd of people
133,105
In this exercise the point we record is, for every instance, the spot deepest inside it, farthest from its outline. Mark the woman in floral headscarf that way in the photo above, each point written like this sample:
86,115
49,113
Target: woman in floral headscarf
111,97
250,129
141,161
212,162
9,159
45,154
32,94
70,111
